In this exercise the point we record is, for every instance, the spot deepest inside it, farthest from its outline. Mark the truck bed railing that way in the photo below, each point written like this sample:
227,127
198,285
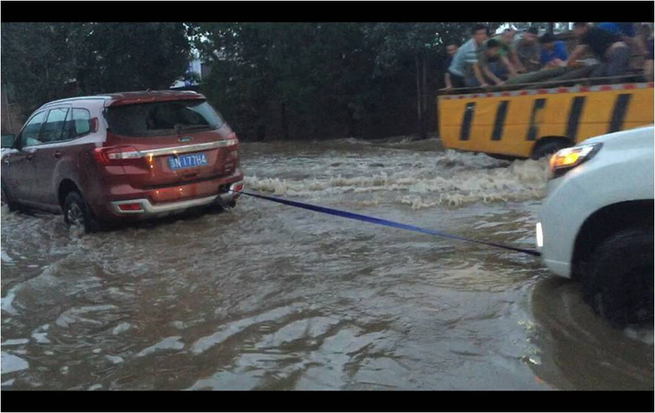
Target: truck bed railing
589,81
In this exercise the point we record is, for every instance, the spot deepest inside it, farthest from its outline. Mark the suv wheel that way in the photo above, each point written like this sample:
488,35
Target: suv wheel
6,199
78,214
618,283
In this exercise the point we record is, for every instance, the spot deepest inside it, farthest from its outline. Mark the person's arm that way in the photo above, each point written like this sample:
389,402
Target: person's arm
562,54
492,76
449,83
509,66
638,44
576,54
648,70
514,58
478,74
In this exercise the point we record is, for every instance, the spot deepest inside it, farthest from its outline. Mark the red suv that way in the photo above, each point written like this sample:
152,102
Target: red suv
122,156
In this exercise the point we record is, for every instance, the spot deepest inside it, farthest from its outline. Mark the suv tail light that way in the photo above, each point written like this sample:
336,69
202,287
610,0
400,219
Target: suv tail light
232,140
116,155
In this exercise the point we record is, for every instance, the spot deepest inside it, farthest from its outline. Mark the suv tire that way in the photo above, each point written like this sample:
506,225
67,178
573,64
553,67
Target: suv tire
78,213
618,283
6,199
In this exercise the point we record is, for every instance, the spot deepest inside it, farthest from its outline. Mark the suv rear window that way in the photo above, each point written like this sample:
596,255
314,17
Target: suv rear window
163,118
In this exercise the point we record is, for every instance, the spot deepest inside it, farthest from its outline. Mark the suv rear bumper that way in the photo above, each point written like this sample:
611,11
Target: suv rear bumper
149,209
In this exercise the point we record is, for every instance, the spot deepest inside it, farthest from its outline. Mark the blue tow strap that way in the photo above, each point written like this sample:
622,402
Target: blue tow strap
384,222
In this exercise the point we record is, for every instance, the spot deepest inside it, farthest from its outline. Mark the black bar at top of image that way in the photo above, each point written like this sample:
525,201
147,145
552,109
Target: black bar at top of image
328,401
322,11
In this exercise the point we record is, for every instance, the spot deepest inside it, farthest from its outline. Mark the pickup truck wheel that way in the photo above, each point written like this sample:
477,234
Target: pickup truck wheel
78,214
6,200
548,148
619,280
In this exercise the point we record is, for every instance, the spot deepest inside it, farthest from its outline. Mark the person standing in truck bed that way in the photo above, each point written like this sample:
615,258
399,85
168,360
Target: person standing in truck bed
451,49
613,53
527,49
491,66
461,69
553,53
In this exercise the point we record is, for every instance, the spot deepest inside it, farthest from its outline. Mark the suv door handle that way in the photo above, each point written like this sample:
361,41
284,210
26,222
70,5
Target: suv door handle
5,160
57,154
29,157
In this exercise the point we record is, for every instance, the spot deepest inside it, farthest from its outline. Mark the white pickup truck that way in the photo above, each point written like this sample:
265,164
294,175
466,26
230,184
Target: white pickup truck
596,224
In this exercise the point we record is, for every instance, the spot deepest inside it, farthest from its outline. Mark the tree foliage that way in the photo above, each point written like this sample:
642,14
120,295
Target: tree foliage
294,80
45,61
270,80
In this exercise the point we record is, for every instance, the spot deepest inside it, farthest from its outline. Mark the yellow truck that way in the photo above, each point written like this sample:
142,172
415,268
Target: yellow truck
537,122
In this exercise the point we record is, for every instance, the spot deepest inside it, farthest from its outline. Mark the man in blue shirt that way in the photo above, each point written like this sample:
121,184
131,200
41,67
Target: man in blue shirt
628,34
553,53
451,49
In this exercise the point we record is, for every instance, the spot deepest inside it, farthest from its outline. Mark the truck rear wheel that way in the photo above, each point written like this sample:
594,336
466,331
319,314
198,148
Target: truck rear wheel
618,283
549,147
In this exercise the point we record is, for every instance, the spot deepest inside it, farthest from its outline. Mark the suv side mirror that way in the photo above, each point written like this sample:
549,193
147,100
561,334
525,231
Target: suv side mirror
8,140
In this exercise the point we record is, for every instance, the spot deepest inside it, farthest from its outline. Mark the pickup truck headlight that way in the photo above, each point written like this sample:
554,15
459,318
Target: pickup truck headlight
566,159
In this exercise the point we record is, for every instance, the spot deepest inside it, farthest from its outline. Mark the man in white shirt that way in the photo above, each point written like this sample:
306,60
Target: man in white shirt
462,69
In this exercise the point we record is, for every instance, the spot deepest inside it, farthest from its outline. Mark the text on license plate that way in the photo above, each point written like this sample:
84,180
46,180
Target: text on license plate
187,161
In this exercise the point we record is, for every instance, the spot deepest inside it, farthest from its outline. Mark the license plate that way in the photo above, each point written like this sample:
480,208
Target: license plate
187,161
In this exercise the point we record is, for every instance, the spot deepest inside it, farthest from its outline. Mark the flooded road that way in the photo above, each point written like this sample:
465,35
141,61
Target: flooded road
271,297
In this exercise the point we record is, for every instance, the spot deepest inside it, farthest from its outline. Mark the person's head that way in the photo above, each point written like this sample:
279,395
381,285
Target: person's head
480,33
580,28
547,41
451,48
493,48
508,36
531,35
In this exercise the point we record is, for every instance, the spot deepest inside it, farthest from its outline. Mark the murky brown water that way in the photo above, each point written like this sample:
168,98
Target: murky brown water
271,297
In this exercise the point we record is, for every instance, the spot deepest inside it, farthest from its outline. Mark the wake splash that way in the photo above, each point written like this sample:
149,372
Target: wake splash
447,178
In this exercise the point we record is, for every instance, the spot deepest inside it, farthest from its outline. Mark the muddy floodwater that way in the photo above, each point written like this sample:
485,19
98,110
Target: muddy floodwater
271,297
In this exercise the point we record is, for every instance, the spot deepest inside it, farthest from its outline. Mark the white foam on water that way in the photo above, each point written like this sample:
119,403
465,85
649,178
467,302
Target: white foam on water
5,257
463,178
170,343
6,302
73,315
122,327
16,342
40,334
12,363
114,359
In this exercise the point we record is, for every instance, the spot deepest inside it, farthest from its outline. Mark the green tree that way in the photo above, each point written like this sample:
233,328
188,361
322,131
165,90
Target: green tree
38,59
132,56
43,60
298,80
